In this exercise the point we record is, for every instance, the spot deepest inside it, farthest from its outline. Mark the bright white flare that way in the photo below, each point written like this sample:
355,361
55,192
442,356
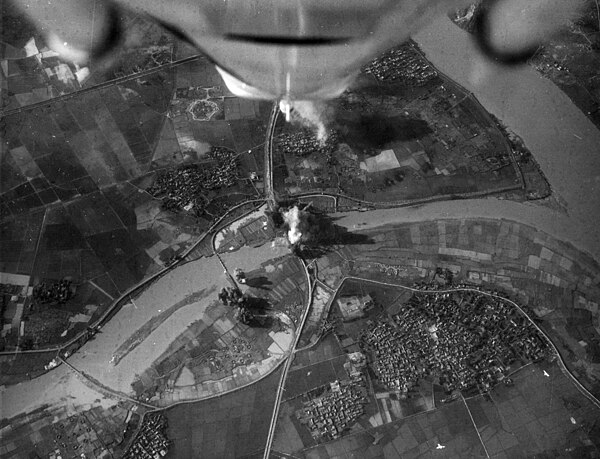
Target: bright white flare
292,218
286,108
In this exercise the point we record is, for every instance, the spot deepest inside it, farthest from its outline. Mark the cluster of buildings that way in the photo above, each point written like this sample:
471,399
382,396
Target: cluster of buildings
304,143
240,345
310,174
339,404
57,292
402,63
184,188
10,289
396,359
221,154
327,416
458,287
151,441
465,340
354,307
153,57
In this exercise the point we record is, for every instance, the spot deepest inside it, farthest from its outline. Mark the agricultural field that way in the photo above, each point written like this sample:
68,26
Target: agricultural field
553,280
538,415
538,411
32,73
402,133
91,188
234,425
91,432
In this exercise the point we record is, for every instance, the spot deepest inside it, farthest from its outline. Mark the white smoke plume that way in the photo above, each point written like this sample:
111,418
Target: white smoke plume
292,218
310,113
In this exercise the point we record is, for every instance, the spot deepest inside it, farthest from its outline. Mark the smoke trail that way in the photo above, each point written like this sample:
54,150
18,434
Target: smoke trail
310,113
292,218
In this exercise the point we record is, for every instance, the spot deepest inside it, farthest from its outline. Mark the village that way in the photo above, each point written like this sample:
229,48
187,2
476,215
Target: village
329,410
404,64
466,341
150,442
119,189
184,188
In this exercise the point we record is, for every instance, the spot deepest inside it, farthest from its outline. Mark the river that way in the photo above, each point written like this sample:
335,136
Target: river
563,141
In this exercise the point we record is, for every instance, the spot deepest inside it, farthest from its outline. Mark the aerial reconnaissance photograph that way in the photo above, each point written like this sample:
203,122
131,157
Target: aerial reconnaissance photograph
299,229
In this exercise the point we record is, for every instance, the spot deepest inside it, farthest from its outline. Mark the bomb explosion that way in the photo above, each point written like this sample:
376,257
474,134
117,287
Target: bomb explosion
308,113
308,228
291,218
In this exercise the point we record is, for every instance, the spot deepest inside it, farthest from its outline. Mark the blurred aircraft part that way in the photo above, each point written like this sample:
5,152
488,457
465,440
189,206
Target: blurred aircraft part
294,49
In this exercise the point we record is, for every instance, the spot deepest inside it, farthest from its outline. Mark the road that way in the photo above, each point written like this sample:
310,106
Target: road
561,362
116,305
268,159
563,141
87,376
564,369
286,368
98,86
